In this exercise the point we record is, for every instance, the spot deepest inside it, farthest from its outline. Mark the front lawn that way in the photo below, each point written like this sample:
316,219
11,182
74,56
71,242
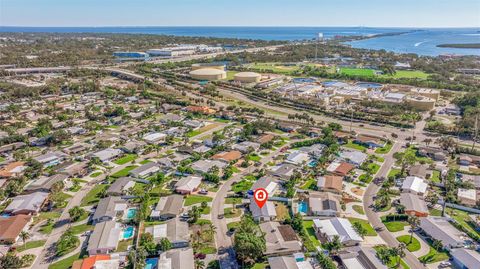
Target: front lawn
356,146
125,159
65,263
308,225
394,172
434,256
95,174
79,229
123,245
229,213
233,200
125,171
413,246
254,157
435,177
196,199
395,226
92,196
31,244
358,209
384,150
463,219
243,185
365,224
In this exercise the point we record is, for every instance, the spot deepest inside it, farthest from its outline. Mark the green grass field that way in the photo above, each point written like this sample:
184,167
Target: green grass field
352,145
243,185
358,209
407,74
95,174
275,67
92,195
413,246
395,226
79,229
357,72
434,256
31,244
125,159
365,224
229,213
65,263
196,199
124,172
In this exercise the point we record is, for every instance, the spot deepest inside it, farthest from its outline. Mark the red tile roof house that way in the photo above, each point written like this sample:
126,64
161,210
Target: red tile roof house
340,168
11,227
228,157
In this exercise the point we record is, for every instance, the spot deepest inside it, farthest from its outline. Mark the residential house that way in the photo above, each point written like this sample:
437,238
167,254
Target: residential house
415,185
145,170
435,153
280,239
314,151
419,170
73,169
324,204
330,183
340,168
468,197
203,166
11,147
11,227
174,230
266,183
354,157
327,229
77,148
13,169
109,208
265,138
44,184
475,180
188,185
181,258
168,207
51,158
266,213
288,262
440,228
202,149
370,141
200,110
105,238
166,164
465,258
282,171
29,204
120,186
246,147
414,205
194,124
228,157
134,147
107,154
96,262
360,258
175,131
154,138
170,117
298,158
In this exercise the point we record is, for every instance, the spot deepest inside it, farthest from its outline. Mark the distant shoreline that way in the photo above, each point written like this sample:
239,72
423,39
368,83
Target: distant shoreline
460,46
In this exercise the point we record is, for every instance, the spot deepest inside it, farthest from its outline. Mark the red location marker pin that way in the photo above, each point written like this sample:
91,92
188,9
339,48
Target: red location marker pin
260,196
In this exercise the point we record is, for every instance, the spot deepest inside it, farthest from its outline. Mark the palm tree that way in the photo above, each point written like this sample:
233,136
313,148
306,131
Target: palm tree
24,235
199,264
414,223
334,245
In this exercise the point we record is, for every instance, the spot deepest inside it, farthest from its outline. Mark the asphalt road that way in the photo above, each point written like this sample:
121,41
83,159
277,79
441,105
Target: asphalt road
373,217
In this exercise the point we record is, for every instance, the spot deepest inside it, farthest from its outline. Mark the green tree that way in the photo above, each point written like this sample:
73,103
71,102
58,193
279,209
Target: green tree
414,222
334,245
164,244
249,242
147,242
357,226
199,264
76,213
325,262
24,235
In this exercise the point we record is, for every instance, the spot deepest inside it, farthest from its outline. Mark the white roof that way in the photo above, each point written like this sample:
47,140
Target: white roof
268,210
152,137
297,157
337,226
188,183
469,194
352,263
107,264
415,184
107,154
354,156
268,184
333,166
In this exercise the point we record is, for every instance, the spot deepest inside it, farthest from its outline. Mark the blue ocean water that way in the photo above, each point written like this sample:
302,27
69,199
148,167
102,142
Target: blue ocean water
421,42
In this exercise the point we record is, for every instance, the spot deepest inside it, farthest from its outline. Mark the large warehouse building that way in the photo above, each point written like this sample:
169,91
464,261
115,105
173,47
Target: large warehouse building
208,74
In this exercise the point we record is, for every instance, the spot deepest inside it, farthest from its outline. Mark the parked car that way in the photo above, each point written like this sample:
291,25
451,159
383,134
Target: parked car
221,216
203,191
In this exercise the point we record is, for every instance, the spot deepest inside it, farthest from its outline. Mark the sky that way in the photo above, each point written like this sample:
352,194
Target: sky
372,13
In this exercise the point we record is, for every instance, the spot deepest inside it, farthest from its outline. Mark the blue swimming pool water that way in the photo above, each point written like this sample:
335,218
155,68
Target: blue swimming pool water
302,207
128,232
131,212
312,164
151,263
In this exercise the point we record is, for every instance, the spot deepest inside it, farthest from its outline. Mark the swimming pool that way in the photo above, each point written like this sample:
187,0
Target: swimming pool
312,164
131,212
151,263
128,232
302,207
